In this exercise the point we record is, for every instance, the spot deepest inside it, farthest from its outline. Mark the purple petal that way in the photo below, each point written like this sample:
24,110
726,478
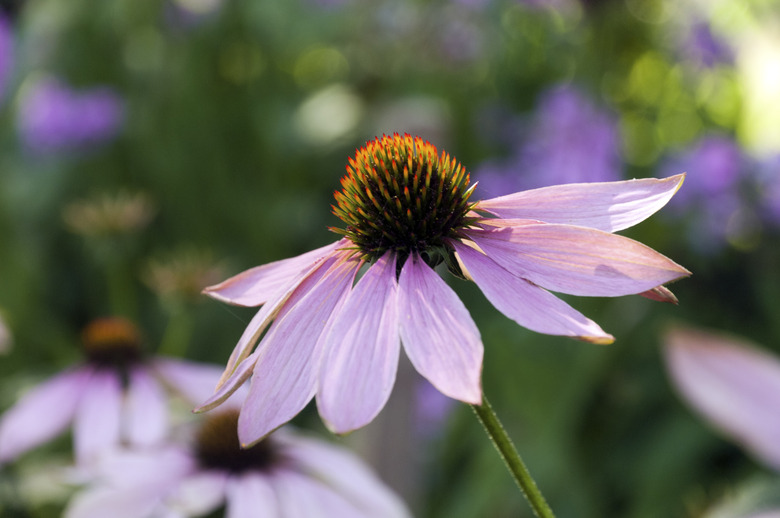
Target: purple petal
132,484
146,409
102,501
438,334
285,375
345,473
42,414
732,384
528,304
301,496
661,294
607,206
270,310
360,352
97,425
231,384
577,260
257,285
199,494
250,495
193,381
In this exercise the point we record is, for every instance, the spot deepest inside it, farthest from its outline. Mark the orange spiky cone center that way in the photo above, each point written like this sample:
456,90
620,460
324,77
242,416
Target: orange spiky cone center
400,194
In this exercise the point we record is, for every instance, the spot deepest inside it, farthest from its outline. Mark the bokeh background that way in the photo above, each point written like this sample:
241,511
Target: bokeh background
150,148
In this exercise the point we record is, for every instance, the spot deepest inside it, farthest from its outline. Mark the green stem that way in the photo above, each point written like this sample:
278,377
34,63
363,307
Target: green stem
511,457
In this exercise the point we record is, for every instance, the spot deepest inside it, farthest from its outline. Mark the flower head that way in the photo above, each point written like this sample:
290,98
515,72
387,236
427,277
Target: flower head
115,397
284,475
407,208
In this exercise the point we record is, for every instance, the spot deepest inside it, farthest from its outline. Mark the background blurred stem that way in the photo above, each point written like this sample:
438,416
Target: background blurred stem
177,335
508,452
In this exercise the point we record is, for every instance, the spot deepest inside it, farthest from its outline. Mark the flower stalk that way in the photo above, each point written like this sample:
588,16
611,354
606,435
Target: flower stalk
514,463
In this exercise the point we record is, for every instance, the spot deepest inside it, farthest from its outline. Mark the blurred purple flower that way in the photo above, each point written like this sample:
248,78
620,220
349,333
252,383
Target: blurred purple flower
432,408
702,47
569,141
711,199
6,53
115,397
769,187
732,384
285,475
52,117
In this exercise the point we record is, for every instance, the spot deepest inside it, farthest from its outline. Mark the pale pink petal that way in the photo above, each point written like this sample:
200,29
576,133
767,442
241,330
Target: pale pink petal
257,285
231,385
301,496
162,467
98,417
525,303
270,310
131,484
438,334
577,260
146,409
285,375
103,501
661,294
198,494
42,414
731,383
345,473
360,352
193,381
607,206
250,496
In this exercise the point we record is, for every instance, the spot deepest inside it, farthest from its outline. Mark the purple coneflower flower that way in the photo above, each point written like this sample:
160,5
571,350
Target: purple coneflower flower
52,117
733,384
406,209
116,397
285,475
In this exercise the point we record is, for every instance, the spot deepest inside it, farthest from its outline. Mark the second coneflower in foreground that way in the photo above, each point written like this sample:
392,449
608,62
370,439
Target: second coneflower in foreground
406,209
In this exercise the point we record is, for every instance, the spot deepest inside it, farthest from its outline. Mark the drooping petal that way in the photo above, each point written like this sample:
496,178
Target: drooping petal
285,374
231,385
41,414
732,384
198,494
98,417
301,496
191,380
577,260
146,410
661,294
345,473
257,285
360,351
102,501
163,467
607,206
250,495
269,311
525,303
131,484
438,334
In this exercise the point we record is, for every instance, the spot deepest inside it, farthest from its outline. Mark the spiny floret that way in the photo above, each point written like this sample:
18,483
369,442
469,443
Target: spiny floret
400,194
